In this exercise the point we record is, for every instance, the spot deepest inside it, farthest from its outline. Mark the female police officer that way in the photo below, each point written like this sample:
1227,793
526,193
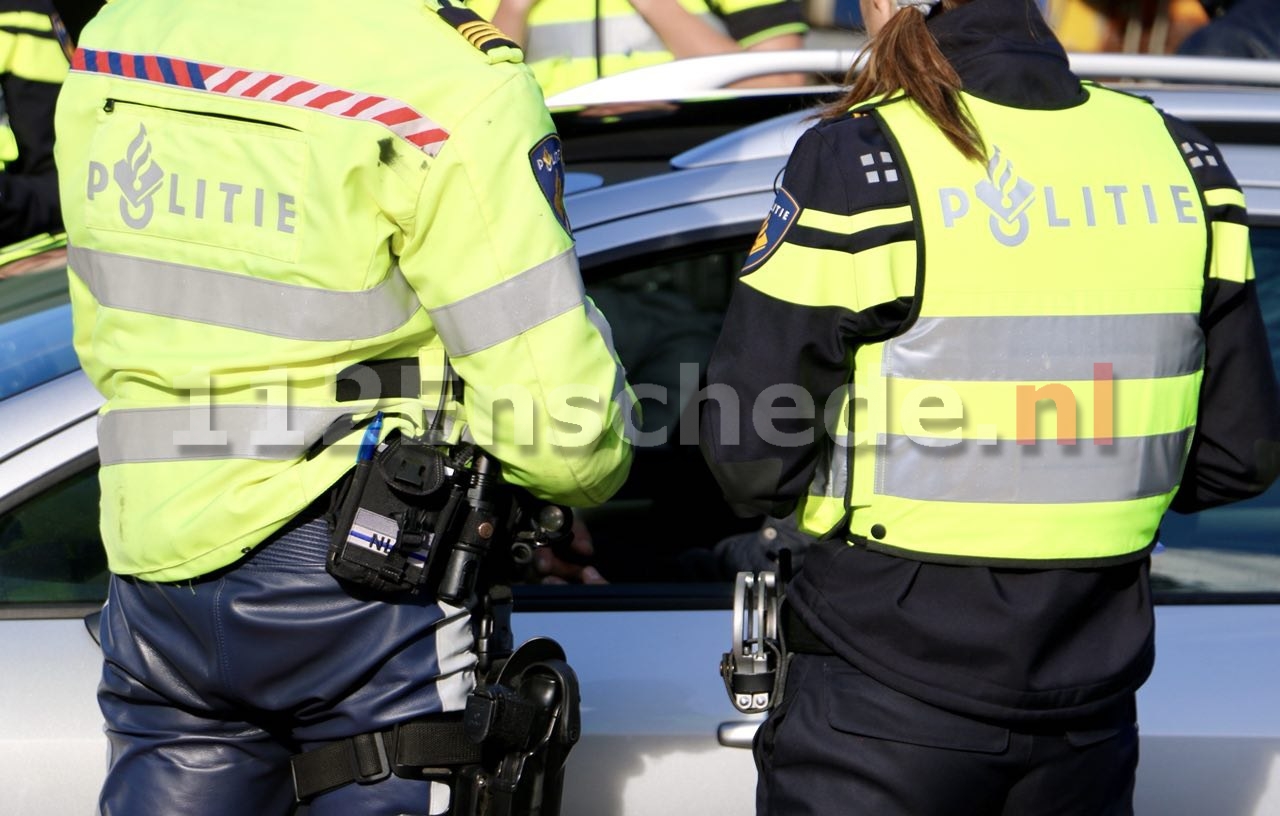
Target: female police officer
1040,292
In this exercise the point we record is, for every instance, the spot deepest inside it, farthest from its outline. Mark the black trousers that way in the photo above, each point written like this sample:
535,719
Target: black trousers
843,743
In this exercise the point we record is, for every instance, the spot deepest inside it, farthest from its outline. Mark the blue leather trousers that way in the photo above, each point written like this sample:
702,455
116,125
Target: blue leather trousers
209,686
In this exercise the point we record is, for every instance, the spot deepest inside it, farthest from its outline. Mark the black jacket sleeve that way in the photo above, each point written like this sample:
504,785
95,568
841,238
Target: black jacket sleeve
1235,453
778,364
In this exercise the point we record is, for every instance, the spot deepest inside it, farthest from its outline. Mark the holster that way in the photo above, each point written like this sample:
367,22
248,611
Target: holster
527,719
504,756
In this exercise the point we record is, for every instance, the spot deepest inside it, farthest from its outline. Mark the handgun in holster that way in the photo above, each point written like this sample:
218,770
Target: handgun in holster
527,719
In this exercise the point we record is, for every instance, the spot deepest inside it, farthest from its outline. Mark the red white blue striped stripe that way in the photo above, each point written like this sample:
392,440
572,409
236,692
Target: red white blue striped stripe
264,86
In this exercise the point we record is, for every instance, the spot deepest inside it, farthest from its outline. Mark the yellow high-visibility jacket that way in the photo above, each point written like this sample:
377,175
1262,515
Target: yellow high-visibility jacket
254,205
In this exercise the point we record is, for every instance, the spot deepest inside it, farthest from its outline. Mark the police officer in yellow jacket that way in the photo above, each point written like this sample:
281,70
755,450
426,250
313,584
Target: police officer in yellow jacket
34,52
1004,319
572,42
287,221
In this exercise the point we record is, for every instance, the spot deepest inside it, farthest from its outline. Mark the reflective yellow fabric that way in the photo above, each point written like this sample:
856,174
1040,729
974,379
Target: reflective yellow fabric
562,37
979,458
24,55
273,243
30,247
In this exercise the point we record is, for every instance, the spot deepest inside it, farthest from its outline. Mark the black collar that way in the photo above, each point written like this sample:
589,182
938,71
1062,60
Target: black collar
1005,52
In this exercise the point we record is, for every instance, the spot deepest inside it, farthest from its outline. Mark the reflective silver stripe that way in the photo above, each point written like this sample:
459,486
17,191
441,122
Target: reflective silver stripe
1051,347
832,481
621,395
512,307
1045,473
241,302
619,35
269,432
220,432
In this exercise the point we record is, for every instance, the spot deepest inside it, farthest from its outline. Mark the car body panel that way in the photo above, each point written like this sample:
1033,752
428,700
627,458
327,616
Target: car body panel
653,702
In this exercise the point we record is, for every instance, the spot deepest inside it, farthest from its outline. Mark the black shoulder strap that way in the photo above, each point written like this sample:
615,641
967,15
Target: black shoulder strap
479,32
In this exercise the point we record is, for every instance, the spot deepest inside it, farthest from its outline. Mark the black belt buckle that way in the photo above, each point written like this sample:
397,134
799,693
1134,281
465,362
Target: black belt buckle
359,749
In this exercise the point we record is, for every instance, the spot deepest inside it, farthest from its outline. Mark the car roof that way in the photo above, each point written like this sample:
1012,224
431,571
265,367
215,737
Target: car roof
707,77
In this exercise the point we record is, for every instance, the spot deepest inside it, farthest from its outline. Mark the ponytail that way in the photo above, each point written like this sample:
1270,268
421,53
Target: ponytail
903,56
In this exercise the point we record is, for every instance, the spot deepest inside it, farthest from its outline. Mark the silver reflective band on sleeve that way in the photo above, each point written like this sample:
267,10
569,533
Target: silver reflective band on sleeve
1005,472
241,302
1049,347
620,394
622,35
218,432
269,432
510,308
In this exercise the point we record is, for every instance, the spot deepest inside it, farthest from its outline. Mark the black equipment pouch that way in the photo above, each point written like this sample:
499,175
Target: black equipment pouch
402,507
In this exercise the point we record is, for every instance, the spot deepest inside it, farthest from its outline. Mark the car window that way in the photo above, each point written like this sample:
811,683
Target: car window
50,549
665,315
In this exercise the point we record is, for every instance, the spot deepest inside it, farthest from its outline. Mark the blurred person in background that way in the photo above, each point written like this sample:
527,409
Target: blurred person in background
35,54
75,13
1123,26
572,42
1237,28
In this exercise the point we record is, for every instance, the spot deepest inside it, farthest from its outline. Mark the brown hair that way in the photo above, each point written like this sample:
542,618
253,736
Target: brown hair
903,56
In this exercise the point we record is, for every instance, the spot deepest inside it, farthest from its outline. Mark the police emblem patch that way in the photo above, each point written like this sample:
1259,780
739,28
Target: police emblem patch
781,216
547,161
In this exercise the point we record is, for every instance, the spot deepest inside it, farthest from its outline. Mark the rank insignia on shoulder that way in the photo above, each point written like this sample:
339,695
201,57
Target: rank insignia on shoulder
782,215
547,161
481,33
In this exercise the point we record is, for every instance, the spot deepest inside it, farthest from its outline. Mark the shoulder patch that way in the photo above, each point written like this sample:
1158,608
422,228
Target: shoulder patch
782,215
481,33
547,162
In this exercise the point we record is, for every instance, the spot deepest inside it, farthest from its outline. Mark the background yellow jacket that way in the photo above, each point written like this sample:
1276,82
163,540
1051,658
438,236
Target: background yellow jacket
34,51
572,42
251,214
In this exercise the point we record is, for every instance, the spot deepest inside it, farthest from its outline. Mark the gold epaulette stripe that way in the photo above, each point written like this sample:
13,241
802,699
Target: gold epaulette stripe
479,33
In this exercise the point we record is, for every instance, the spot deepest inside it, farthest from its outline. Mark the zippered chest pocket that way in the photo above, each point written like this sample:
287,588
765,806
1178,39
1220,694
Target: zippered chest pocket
202,178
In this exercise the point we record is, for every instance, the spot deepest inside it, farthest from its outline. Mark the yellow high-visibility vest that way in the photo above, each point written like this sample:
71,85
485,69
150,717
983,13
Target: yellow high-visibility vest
1039,405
